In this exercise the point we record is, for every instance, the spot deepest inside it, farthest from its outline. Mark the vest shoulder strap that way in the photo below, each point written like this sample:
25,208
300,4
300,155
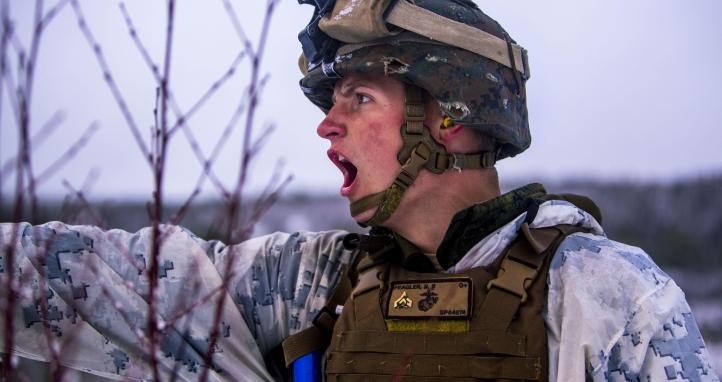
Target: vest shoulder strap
522,263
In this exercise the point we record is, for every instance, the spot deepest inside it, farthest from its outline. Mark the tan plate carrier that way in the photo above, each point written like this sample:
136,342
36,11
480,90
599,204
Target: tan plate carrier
503,338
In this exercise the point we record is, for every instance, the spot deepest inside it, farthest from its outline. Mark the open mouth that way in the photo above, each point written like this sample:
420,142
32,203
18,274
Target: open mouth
347,168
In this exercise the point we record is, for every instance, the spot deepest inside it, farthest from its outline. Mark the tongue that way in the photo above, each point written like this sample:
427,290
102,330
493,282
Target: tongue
350,174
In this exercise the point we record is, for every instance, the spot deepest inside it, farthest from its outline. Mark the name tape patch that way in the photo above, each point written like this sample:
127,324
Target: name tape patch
440,298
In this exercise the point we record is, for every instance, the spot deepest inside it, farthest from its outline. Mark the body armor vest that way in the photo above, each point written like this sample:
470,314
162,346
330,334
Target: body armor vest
469,326
482,324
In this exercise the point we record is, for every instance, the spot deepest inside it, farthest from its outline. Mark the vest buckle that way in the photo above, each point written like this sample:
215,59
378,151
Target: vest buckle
513,277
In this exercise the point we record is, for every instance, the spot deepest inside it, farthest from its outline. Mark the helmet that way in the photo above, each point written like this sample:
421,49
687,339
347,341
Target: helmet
473,90
459,55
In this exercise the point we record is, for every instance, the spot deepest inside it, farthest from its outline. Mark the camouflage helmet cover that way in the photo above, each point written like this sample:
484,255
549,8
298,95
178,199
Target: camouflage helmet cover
471,89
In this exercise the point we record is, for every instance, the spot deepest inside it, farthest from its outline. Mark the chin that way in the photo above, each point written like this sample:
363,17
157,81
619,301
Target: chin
365,216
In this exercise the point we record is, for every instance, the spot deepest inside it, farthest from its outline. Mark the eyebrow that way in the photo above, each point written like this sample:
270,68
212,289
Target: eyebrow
347,88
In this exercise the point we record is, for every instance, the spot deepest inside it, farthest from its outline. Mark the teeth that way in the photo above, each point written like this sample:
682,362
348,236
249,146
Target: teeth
342,158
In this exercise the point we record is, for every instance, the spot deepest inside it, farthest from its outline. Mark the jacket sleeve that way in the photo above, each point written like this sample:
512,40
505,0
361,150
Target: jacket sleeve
612,314
661,342
95,292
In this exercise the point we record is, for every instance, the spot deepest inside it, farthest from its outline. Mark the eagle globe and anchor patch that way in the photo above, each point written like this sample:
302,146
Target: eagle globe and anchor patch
448,298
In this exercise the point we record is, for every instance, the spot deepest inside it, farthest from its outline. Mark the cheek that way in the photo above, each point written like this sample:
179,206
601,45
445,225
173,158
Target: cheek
383,142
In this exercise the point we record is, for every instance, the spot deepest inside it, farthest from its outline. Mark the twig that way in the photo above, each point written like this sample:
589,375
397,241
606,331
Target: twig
268,198
159,166
38,139
69,153
4,37
181,119
97,220
196,303
69,198
183,210
236,201
53,11
23,166
42,288
245,158
208,164
25,98
238,28
108,77
228,74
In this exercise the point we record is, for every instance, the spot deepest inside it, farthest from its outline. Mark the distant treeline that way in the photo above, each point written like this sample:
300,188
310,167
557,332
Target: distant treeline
678,223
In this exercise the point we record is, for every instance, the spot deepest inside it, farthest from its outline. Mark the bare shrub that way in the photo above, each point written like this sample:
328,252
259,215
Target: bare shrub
170,119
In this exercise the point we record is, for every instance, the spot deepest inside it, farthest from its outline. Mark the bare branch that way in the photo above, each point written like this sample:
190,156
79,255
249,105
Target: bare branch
233,16
261,140
68,210
108,77
53,11
69,153
158,170
5,31
207,166
176,218
182,119
141,48
250,117
38,139
207,95
98,221
196,303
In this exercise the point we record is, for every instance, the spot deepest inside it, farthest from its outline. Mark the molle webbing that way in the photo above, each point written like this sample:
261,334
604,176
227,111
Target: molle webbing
470,342
506,335
420,151
386,366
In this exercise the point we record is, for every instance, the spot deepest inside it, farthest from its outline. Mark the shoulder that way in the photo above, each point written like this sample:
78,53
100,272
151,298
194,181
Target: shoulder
597,287
597,262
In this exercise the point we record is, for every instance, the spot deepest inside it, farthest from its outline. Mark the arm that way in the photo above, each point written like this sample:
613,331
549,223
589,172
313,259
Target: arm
661,342
613,314
97,283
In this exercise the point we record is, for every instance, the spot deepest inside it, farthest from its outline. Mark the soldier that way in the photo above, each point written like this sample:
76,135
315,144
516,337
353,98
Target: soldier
454,281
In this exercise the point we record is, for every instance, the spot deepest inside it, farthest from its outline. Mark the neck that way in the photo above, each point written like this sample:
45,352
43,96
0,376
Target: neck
425,214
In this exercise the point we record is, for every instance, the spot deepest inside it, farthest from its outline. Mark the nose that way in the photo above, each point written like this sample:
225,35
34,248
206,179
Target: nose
331,127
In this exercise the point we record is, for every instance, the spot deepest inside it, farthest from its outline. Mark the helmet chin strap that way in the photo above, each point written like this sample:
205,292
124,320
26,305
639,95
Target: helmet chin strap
420,151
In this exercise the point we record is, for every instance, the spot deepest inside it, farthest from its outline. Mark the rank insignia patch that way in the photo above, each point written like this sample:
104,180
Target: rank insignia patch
441,298
403,302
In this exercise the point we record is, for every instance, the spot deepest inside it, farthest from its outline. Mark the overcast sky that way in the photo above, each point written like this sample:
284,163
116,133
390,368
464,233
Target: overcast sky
619,89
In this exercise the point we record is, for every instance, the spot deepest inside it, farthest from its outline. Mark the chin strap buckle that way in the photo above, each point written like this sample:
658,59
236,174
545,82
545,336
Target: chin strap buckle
458,162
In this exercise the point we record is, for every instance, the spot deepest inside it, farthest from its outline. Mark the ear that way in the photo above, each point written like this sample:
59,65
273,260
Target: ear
449,134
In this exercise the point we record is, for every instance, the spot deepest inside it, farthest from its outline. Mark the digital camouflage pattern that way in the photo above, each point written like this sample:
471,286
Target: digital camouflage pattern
611,314
96,282
473,90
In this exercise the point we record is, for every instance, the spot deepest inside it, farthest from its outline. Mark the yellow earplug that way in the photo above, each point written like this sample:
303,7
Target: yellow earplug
447,122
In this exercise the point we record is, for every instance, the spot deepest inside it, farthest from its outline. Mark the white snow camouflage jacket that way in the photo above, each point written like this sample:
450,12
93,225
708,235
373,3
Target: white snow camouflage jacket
611,313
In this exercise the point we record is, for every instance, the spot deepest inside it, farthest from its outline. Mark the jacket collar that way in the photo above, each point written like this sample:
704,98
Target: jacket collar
471,225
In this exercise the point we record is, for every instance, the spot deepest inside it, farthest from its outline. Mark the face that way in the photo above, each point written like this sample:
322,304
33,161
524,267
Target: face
363,130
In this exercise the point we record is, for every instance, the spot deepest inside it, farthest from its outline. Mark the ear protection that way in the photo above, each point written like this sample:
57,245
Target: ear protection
446,123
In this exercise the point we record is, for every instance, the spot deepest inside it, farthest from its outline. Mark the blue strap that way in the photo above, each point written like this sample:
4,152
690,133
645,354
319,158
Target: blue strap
307,368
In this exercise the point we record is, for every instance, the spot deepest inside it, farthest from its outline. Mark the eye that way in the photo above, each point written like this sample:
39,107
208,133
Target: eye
362,98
